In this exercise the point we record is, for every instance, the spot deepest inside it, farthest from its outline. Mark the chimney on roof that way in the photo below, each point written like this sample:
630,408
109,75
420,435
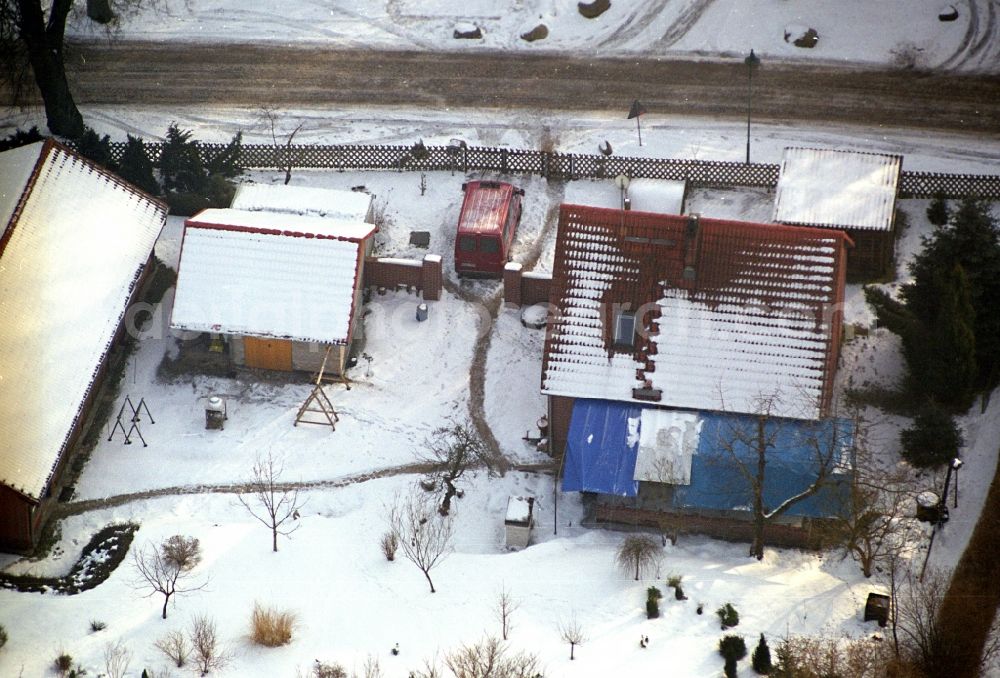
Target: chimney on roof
691,235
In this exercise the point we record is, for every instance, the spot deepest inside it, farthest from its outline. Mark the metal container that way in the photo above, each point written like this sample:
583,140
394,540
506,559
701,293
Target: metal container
215,413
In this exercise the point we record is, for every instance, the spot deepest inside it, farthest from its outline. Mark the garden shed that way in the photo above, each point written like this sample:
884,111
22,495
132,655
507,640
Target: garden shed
320,202
75,251
278,287
846,190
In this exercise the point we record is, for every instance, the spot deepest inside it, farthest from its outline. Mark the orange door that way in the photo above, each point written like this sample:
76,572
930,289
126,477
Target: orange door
269,354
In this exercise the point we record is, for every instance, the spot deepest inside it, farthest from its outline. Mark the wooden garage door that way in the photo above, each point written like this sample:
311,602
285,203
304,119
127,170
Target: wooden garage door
270,354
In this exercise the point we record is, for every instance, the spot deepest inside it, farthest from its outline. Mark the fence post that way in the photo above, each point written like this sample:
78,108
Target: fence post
503,161
512,283
431,277
465,159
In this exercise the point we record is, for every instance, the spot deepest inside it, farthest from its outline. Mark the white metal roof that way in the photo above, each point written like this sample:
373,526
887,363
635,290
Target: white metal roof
293,224
264,284
842,189
66,274
321,202
17,166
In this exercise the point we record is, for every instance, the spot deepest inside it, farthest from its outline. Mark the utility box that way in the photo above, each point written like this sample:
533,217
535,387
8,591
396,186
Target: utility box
215,413
519,521
877,608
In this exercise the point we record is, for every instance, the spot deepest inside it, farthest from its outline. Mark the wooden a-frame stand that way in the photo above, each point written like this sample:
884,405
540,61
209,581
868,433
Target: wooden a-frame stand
318,402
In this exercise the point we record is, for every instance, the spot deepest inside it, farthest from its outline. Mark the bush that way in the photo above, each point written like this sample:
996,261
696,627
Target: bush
95,148
63,663
181,552
674,580
637,553
732,649
653,596
933,440
20,138
136,168
389,545
324,670
97,625
761,659
269,627
175,646
208,656
728,616
937,211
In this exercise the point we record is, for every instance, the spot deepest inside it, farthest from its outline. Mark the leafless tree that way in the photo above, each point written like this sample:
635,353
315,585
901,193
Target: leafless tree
167,569
117,657
504,608
270,502
572,633
490,658
453,450
208,654
424,537
749,442
175,646
282,149
638,552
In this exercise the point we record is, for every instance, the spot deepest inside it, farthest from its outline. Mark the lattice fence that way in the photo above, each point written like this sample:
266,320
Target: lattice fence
698,173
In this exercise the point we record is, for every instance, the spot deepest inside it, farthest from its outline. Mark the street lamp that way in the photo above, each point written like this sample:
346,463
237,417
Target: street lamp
752,62
955,464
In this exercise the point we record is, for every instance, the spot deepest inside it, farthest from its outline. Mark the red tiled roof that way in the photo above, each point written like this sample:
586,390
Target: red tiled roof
727,310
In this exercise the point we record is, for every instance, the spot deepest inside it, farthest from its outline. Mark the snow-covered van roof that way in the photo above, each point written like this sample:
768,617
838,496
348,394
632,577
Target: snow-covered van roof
725,311
840,189
76,241
320,202
267,276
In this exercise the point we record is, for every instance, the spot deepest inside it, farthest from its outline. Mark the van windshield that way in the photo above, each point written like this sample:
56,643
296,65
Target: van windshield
489,245
467,243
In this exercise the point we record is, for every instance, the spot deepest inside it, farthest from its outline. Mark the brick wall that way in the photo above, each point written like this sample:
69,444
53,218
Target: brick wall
525,288
425,276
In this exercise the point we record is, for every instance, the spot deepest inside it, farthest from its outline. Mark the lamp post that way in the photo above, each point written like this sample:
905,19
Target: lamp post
955,464
751,61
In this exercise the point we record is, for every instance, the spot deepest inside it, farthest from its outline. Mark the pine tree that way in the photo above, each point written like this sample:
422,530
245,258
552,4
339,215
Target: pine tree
180,163
95,148
937,211
761,659
934,438
136,166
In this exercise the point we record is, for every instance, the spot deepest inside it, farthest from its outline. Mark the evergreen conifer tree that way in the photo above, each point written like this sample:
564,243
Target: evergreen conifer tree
761,658
136,167
937,211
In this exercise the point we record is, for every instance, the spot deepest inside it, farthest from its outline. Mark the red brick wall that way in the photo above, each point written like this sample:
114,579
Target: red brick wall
560,411
525,289
423,275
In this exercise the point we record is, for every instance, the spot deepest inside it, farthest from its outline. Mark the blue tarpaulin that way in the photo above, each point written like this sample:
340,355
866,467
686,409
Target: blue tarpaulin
601,447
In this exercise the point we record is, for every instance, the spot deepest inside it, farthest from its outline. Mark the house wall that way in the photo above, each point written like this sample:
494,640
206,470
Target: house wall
560,411
308,357
15,527
872,254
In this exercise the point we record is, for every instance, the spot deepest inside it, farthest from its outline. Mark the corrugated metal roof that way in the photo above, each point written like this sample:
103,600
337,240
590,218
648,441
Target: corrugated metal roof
305,200
71,262
484,208
265,284
754,318
840,189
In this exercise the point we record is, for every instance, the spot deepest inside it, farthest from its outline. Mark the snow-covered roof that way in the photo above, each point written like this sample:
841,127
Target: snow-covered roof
266,282
725,311
279,222
68,265
519,510
662,196
320,202
842,189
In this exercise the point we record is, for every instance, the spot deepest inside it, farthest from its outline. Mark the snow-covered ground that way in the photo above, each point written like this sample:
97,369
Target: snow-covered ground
897,32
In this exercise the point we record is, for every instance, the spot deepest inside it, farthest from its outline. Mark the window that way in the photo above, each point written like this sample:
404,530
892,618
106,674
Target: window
625,330
489,245
467,243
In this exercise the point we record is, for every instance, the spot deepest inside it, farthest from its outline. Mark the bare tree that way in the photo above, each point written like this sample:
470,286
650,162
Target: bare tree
283,149
490,658
272,503
175,646
117,657
638,552
167,569
504,608
452,451
572,633
208,655
424,537
749,442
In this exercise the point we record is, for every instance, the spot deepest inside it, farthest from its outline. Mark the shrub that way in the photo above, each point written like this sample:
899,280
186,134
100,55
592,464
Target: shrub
933,440
732,649
136,168
95,148
389,545
97,625
270,627
637,553
20,138
674,580
208,656
653,596
63,663
937,211
181,552
3,636
175,646
728,616
324,670
761,659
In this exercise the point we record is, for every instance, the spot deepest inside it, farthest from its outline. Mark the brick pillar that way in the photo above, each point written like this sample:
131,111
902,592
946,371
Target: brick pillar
512,283
431,278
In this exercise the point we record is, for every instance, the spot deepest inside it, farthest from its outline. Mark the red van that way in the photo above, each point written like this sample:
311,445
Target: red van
490,215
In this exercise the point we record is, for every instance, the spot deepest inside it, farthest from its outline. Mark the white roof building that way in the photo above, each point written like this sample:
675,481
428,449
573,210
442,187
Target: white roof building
75,242
269,274
839,189
320,202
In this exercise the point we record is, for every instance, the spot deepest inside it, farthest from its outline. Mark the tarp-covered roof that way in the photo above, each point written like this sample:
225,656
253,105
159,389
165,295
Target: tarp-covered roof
602,444
69,262
838,189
